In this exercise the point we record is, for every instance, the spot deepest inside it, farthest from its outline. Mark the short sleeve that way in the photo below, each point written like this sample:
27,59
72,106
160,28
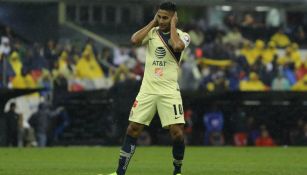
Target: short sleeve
185,39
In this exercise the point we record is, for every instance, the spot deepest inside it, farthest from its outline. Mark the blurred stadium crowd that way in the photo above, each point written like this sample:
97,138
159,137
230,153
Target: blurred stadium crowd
246,56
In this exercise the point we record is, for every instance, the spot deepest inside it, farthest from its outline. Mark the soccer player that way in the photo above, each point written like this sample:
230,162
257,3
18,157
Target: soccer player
159,90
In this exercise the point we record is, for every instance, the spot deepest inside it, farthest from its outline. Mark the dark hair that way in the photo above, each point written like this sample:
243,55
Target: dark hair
168,6
12,105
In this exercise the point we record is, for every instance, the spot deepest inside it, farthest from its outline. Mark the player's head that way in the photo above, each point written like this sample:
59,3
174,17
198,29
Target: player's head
12,106
165,13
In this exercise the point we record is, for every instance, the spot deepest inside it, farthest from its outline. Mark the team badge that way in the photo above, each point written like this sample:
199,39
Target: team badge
186,38
158,72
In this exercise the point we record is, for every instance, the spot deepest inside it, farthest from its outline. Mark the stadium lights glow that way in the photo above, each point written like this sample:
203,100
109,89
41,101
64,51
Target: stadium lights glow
226,8
262,8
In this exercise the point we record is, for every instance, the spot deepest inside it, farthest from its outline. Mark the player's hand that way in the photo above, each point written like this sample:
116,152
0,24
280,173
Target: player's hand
155,20
174,19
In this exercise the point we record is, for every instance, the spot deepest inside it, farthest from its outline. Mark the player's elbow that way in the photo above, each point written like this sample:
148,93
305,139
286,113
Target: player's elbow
134,41
178,47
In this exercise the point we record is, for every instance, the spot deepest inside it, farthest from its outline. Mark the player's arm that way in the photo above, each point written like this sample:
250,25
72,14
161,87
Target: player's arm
137,37
177,43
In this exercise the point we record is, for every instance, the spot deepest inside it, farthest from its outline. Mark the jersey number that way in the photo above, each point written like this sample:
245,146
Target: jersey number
179,108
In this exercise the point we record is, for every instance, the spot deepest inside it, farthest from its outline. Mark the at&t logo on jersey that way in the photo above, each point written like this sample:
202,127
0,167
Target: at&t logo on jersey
160,52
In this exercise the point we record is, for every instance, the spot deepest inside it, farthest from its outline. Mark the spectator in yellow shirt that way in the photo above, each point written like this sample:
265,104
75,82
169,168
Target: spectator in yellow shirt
87,67
253,84
301,85
62,66
296,55
286,58
281,39
252,54
24,81
256,52
15,62
269,53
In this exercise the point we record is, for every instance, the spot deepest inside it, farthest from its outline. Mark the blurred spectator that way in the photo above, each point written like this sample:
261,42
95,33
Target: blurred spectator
5,47
233,37
40,59
6,71
280,83
23,81
63,66
301,71
270,53
9,33
281,39
13,126
87,66
20,48
121,55
295,54
253,84
300,36
214,123
273,18
88,70
16,63
40,121
105,59
197,36
301,85
60,123
189,75
302,137
188,117
50,53
288,72
296,132
265,139
256,52
247,52
252,130
248,21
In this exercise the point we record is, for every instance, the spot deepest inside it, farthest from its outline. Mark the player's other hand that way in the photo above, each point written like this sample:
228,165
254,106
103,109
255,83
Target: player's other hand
155,20
174,19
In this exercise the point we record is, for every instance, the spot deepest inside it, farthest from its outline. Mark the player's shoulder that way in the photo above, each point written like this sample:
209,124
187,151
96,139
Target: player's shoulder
184,36
181,32
153,30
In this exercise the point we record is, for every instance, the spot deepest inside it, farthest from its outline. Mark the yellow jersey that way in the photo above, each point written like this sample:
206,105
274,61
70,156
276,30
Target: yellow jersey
162,62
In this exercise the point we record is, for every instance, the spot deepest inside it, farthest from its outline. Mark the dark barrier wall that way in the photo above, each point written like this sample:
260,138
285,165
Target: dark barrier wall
101,117
36,21
2,131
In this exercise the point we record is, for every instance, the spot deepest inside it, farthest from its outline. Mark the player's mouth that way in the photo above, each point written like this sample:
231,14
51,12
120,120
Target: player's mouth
162,26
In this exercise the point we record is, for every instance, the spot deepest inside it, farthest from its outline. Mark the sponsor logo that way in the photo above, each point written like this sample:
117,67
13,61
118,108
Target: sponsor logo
177,117
159,72
158,63
160,52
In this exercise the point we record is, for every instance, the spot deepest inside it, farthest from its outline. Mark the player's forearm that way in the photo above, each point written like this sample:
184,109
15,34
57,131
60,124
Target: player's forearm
177,44
137,37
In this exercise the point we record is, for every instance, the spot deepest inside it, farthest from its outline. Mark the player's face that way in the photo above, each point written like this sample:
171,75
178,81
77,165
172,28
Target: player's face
164,19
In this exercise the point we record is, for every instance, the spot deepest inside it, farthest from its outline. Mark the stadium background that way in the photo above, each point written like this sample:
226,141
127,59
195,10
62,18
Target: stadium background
245,67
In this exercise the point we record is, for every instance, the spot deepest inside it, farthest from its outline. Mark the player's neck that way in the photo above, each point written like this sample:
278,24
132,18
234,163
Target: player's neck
165,31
